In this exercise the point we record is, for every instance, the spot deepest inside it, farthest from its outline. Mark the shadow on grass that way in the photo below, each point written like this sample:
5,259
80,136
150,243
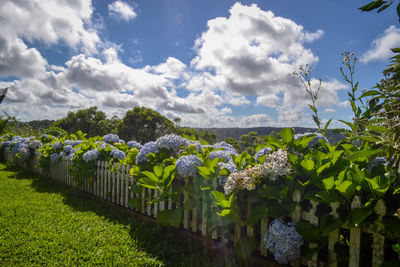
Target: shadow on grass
166,243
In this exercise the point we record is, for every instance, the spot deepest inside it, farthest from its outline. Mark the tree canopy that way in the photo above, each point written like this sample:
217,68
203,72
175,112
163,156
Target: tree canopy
91,121
143,125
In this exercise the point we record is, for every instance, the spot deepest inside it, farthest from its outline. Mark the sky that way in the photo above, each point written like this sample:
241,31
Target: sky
210,63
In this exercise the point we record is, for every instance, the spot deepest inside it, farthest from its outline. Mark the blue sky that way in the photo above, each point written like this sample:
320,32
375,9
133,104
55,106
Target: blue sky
210,63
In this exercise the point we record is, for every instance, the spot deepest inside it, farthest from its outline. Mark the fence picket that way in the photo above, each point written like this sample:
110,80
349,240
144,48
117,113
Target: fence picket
378,245
186,212
355,238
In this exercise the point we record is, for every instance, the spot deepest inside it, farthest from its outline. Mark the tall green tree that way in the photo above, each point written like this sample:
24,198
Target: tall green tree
90,121
144,125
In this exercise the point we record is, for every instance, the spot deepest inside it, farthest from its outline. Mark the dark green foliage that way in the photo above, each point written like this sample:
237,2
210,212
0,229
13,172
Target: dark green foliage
90,121
143,125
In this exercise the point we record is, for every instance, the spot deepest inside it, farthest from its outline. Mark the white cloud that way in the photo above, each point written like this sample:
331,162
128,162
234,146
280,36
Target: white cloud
329,110
380,47
121,10
344,104
268,100
16,59
52,22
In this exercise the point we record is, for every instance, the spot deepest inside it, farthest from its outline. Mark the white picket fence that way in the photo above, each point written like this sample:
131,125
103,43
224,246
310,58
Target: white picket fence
113,186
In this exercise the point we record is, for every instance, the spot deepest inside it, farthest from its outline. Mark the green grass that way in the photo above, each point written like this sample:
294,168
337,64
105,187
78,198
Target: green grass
45,223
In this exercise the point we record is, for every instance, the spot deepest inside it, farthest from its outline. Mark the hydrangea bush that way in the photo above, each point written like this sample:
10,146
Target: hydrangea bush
239,188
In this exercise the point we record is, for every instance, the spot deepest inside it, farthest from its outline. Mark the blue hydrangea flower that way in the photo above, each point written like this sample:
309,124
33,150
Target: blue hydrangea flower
172,141
17,147
68,149
68,142
7,144
230,166
57,145
283,240
54,157
111,138
314,141
90,155
220,154
134,144
150,147
14,138
35,144
186,166
117,154
262,152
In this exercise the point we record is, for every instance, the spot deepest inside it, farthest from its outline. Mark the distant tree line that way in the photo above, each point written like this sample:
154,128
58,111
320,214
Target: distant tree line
140,124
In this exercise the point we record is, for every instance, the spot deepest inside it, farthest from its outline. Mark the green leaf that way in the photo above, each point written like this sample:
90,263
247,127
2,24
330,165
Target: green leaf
370,93
170,217
312,108
328,182
245,246
287,135
326,126
358,215
220,199
307,164
383,7
363,154
396,247
372,5
158,170
151,176
308,231
332,225
346,188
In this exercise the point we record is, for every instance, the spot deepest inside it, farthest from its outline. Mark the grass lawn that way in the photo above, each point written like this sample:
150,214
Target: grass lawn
45,223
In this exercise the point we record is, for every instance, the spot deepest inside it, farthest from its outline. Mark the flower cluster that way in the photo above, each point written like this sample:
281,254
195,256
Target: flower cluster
314,141
35,144
172,141
244,179
276,165
57,146
187,166
90,155
132,144
222,154
262,152
283,240
150,147
117,154
111,138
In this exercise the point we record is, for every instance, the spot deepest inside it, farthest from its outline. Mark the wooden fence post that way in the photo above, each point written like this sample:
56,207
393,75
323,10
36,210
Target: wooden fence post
355,238
378,245
333,238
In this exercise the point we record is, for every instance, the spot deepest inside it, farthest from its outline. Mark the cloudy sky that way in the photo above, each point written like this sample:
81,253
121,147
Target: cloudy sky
210,63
